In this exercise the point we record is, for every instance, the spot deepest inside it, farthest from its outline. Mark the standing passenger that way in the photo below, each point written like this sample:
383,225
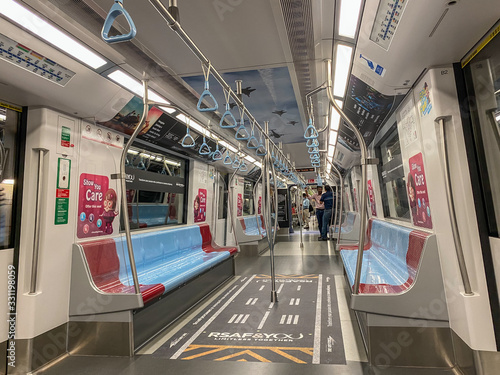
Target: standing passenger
320,208
305,211
327,200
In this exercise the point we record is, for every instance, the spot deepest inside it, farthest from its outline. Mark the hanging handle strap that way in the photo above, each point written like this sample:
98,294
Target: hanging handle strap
236,162
243,167
117,10
261,150
206,94
217,155
253,143
232,123
227,159
313,150
188,140
242,132
205,148
311,132
312,143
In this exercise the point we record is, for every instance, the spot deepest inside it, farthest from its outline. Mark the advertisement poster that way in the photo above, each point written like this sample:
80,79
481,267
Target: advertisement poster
97,206
200,206
260,206
409,123
371,197
425,100
417,193
239,206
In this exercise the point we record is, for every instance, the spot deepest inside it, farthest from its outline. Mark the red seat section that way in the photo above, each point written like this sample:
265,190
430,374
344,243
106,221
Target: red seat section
208,244
104,267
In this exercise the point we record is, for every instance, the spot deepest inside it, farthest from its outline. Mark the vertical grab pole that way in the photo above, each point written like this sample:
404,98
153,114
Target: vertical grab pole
230,190
332,218
364,177
301,215
215,198
123,187
339,233
451,207
271,237
38,209
255,203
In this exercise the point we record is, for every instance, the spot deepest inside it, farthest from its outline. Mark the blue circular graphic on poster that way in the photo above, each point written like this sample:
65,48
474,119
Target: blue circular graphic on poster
419,203
91,218
429,211
83,216
99,223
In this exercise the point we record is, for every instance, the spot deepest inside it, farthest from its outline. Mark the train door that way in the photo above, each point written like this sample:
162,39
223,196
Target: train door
482,106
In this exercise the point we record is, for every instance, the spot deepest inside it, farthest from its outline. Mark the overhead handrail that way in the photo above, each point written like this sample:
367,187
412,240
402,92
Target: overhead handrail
228,114
206,94
462,264
227,159
205,148
188,137
253,142
177,28
217,155
364,176
242,132
117,9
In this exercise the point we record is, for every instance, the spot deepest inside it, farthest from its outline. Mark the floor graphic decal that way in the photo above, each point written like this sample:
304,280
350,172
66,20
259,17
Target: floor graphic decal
243,325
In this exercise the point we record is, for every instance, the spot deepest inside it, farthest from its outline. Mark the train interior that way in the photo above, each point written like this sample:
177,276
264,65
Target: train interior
161,167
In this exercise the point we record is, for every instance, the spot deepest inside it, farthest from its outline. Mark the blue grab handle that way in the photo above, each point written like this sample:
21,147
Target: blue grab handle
233,122
207,94
236,163
243,167
312,143
190,138
259,151
228,160
205,148
117,10
311,132
217,155
242,133
313,150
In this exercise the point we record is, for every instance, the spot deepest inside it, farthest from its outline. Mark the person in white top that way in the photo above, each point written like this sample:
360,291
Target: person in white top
320,207
305,211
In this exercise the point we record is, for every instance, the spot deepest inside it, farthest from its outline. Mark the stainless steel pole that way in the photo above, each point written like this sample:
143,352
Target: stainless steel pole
451,207
270,234
231,214
255,203
38,211
123,187
364,179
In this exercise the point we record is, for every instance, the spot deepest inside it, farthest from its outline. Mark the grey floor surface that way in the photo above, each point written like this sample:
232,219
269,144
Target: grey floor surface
316,257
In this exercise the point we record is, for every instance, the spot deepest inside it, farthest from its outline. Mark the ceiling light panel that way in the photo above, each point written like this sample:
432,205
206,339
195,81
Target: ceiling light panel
335,117
342,68
349,17
333,137
135,86
51,34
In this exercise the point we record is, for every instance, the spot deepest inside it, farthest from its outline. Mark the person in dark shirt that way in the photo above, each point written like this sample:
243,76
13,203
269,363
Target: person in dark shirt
327,199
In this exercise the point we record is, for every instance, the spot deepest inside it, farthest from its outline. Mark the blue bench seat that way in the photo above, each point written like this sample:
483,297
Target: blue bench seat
391,258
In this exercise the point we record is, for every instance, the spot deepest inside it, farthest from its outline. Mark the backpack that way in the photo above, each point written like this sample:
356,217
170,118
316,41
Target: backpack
311,209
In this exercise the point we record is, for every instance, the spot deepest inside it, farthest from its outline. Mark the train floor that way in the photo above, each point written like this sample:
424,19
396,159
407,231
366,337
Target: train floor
233,339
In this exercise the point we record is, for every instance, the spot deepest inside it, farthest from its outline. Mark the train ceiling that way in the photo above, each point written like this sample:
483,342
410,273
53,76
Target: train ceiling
277,48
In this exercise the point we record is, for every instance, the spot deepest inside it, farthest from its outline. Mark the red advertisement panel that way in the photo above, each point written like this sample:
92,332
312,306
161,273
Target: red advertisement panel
97,206
260,206
200,206
239,205
417,193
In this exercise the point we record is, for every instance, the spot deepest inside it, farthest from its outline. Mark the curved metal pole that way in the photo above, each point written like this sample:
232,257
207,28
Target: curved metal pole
310,107
271,237
451,207
301,215
255,203
339,233
364,179
123,187
332,217
215,198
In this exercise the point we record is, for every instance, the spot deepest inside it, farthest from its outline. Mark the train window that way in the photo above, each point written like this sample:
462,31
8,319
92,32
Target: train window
392,177
248,206
155,189
483,93
10,119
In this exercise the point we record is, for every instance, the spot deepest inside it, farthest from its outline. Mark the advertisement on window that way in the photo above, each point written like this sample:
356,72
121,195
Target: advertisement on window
417,193
239,206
